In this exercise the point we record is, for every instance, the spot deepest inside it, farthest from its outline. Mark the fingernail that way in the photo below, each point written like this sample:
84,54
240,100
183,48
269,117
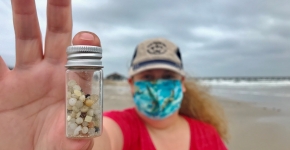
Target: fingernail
87,36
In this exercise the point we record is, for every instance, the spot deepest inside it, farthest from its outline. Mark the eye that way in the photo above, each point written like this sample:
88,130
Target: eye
147,77
168,76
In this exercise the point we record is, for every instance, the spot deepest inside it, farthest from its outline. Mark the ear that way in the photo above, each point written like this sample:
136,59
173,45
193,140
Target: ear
183,84
131,84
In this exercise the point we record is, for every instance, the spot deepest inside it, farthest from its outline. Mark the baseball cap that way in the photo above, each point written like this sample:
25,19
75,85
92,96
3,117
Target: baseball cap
156,53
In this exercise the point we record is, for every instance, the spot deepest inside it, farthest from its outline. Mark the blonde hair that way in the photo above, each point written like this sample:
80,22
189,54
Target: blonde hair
197,103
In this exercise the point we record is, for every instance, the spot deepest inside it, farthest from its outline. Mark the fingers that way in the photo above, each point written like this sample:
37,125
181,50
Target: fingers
59,29
86,38
27,33
3,68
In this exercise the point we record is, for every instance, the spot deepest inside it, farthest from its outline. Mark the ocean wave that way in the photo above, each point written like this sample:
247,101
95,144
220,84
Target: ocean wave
243,92
244,83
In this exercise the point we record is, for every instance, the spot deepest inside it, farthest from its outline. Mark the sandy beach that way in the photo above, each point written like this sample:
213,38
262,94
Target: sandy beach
255,128
251,127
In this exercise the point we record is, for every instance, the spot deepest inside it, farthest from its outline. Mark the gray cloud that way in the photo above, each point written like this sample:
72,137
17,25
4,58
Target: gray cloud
217,38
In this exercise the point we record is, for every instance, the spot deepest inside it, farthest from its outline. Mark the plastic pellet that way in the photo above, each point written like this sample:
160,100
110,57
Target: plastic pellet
79,104
70,89
72,120
76,87
90,112
94,119
69,107
78,114
74,96
68,118
77,130
85,130
96,123
95,106
72,101
73,114
73,126
97,112
82,98
84,109
85,124
71,83
79,120
83,114
97,129
75,109
91,131
94,97
91,124
88,118
77,93
89,102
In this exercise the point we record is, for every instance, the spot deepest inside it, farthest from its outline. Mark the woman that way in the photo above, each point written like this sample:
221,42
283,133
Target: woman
169,113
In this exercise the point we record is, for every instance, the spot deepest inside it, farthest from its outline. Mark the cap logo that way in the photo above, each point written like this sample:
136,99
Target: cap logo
156,48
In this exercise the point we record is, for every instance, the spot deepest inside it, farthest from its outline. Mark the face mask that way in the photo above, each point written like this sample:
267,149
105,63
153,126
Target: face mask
159,99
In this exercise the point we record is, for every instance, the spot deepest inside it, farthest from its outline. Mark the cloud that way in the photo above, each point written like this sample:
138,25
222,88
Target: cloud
217,38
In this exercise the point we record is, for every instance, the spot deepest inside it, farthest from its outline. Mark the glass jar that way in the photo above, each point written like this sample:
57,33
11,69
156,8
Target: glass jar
84,92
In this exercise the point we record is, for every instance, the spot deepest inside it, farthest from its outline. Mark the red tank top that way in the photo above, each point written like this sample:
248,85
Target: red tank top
136,136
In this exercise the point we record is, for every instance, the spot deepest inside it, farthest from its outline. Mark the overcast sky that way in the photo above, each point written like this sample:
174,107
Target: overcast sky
216,38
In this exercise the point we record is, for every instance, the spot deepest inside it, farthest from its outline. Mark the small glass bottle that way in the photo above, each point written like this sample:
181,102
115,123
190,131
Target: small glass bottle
84,92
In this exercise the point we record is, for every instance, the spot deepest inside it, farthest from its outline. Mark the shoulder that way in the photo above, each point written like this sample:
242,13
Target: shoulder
124,122
115,124
126,119
205,135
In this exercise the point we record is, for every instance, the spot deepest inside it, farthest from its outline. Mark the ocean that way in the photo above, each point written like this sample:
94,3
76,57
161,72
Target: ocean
264,92
271,94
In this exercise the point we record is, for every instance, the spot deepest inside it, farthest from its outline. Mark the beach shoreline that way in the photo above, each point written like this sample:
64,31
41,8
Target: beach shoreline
251,127
249,130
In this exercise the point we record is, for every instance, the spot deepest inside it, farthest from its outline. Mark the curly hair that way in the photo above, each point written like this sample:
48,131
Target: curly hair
197,103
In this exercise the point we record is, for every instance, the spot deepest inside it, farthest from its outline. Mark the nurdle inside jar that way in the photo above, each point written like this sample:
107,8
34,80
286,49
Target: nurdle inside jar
83,112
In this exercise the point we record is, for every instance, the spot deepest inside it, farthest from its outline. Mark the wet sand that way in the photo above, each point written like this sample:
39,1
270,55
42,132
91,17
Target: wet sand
251,127
256,128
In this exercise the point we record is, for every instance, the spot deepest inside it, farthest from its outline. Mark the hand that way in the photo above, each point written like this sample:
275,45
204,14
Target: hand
33,94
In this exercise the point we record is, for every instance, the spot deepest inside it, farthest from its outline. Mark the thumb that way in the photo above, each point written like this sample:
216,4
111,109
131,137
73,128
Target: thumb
86,38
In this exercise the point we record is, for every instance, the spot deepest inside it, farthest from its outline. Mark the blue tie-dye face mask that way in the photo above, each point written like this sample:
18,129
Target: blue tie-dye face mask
158,99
